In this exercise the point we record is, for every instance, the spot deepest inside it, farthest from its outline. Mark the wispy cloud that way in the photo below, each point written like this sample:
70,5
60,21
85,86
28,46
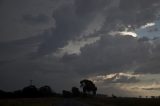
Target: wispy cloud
147,25
116,78
124,33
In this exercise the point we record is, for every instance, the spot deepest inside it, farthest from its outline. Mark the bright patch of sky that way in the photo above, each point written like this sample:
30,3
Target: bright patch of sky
148,84
123,33
150,30
128,33
113,77
73,47
148,25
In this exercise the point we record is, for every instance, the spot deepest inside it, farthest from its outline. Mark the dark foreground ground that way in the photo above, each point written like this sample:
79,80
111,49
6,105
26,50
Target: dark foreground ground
85,101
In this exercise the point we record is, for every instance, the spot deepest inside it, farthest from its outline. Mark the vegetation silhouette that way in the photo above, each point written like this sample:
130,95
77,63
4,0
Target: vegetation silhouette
45,91
67,94
88,86
75,92
3,94
87,95
30,91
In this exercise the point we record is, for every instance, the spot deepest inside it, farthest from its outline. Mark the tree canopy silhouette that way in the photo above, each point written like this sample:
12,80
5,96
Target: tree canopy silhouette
88,86
30,91
75,91
45,91
66,93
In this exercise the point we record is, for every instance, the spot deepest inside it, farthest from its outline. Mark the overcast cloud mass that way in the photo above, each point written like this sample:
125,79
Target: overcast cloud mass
115,43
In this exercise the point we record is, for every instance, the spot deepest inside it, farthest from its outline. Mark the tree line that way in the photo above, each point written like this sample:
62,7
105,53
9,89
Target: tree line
29,91
32,91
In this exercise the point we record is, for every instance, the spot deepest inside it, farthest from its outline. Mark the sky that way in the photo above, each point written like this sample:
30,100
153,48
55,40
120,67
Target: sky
114,43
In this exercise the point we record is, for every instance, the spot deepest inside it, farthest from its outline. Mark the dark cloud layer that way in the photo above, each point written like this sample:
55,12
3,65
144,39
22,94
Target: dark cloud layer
73,18
1,2
151,89
70,22
34,20
33,57
116,54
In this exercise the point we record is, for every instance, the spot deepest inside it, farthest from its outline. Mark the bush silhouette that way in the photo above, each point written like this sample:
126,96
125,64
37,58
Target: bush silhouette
18,93
30,91
75,91
2,93
66,93
45,91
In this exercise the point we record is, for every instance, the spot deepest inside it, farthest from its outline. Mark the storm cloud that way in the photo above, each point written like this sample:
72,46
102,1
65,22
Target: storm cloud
44,40
33,20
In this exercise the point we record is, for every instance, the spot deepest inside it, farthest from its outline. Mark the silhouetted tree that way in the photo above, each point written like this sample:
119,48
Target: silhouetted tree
75,91
88,86
45,91
66,93
30,91
2,94
18,93
114,96
153,97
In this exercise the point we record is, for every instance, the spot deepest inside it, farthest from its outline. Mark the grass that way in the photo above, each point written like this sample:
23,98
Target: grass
92,101
31,102
103,101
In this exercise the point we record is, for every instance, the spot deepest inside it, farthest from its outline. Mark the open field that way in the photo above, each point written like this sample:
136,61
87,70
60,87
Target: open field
31,102
85,101
101,101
